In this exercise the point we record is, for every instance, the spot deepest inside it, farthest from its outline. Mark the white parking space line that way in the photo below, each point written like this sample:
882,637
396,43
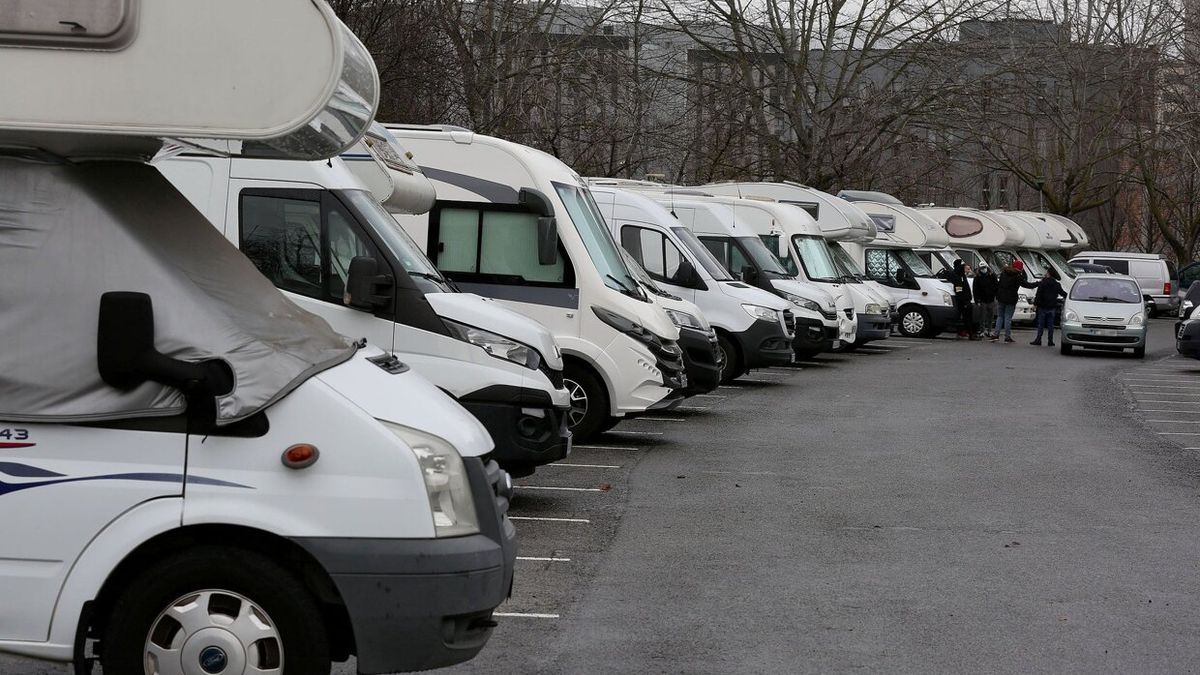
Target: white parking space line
691,408
604,447
1160,379
1178,433
1162,386
725,386
583,466
708,396
558,489
638,433
546,519
525,615
538,559
662,419
1144,400
1163,410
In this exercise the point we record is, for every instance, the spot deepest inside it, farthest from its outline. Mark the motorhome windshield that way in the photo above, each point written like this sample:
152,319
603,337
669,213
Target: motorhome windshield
946,258
1060,262
845,262
914,263
814,256
701,254
1036,265
786,262
597,239
397,241
757,251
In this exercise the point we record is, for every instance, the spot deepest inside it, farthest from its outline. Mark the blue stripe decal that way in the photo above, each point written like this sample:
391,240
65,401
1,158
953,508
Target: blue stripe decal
26,471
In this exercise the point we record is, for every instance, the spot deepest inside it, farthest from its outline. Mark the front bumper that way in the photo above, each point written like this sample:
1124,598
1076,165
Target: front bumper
1166,304
812,337
1108,337
1187,339
872,327
765,344
528,431
700,360
416,604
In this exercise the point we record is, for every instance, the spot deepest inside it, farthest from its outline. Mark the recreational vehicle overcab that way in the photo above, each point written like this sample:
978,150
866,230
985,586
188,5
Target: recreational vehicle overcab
752,325
305,224
209,478
516,224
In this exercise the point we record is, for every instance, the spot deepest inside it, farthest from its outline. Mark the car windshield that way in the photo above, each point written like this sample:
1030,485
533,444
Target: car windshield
914,263
411,257
771,241
597,239
757,251
701,254
814,256
1095,289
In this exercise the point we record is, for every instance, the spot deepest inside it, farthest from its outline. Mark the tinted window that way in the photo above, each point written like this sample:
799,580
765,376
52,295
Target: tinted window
495,247
813,208
701,253
652,250
884,223
1118,266
1189,274
963,226
728,253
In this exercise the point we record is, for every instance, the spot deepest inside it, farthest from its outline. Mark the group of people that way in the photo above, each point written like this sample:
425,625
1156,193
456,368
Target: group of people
986,301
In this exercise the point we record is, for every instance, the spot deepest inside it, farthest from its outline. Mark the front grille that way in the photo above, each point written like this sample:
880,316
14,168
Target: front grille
716,350
1106,339
500,483
555,376
1104,326
829,314
789,322
1109,319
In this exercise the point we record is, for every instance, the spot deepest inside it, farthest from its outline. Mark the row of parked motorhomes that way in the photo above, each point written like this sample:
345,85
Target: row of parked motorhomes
268,365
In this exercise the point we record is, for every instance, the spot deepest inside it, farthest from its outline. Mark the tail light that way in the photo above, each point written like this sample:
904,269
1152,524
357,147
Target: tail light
1166,288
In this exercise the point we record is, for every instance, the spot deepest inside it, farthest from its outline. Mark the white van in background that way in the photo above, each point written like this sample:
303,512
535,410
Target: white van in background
208,477
754,327
518,225
1154,273
305,224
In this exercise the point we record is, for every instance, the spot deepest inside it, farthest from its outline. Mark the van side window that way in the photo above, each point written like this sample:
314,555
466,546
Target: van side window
878,267
497,246
728,253
656,254
301,245
1118,266
1189,274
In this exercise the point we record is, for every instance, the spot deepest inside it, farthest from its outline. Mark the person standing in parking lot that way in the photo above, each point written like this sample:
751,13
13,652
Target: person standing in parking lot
1046,304
984,289
962,298
1010,282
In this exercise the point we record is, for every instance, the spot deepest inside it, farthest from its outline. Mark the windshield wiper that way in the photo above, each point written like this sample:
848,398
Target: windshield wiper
624,289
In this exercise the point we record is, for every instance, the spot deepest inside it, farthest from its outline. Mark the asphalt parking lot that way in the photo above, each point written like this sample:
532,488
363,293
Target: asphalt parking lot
917,506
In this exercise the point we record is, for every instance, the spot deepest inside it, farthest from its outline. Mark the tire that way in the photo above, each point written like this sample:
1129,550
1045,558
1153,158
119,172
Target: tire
1139,352
807,354
733,359
1064,348
589,402
913,322
209,584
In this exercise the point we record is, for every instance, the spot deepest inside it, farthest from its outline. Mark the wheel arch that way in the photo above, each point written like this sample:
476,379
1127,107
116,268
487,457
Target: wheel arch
736,342
588,362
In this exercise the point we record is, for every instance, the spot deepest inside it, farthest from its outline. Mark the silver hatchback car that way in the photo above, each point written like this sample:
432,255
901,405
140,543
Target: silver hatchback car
1104,311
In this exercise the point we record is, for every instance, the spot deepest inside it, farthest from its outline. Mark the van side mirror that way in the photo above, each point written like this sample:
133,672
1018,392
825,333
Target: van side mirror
366,288
685,275
127,358
535,202
547,240
749,274
782,247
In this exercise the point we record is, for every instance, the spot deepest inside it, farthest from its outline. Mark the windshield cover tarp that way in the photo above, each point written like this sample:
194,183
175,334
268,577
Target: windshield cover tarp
68,234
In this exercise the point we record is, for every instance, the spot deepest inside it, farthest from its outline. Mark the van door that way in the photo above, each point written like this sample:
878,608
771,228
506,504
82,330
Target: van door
657,254
60,485
1150,275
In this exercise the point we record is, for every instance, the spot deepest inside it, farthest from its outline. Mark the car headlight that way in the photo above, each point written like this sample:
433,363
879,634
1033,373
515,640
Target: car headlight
446,482
1185,308
1137,319
761,313
1070,315
803,303
684,320
629,327
496,345
947,299
874,308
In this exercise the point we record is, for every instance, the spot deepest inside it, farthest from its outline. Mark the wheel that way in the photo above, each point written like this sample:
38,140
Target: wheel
913,322
589,402
215,610
1064,348
1139,352
728,352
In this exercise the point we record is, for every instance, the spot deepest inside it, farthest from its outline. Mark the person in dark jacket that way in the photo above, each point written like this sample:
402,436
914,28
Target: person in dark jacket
962,298
1011,281
1046,303
984,288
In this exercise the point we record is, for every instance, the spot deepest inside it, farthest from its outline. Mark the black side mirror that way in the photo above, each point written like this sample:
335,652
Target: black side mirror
366,288
547,240
686,275
749,274
536,202
126,356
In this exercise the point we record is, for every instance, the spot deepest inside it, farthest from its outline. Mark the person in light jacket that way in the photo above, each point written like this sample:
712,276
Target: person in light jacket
1011,281
1046,303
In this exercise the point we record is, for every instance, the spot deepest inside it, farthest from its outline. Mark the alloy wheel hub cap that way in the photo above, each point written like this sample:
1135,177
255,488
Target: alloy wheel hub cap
579,403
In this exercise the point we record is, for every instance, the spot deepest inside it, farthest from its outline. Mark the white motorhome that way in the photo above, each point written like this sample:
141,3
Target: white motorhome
754,327
518,225
304,224
209,478
924,304
837,221
939,259
1040,250
978,238
822,322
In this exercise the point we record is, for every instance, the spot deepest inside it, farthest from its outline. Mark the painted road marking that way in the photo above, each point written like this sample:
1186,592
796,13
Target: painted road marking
691,408
1161,386
537,559
1146,400
1174,421
583,466
605,447
1179,433
1164,410
551,520
638,433
525,615
558,489
708,396
661,419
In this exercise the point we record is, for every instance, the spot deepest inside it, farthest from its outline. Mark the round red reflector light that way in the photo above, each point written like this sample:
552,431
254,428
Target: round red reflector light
300,456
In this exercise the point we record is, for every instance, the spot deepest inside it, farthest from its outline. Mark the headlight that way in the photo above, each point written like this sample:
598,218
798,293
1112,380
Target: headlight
629,327
804,303
947,299
496,345
761,313
874,308
1070,315
446,482
1137,319
1185,308
684,320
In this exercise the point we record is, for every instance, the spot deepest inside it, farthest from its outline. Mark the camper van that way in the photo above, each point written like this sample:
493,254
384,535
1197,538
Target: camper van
836,220
924,304
304,224
753,327
1041,250
979,238
209,478
515,224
